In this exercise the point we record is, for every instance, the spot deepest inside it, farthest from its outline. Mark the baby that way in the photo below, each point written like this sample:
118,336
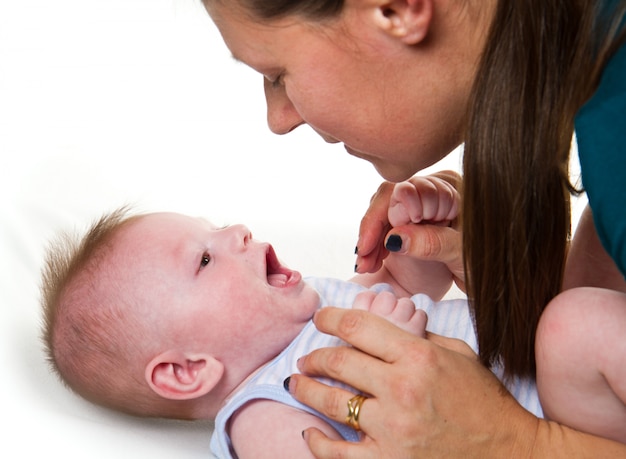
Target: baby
167,315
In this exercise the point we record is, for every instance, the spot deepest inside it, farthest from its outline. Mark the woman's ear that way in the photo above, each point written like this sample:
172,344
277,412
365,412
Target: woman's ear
178,376
409,20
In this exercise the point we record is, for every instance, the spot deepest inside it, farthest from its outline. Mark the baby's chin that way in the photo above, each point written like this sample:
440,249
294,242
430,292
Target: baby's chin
311,302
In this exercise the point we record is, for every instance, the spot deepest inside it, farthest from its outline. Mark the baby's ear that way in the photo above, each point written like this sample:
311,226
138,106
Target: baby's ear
178,376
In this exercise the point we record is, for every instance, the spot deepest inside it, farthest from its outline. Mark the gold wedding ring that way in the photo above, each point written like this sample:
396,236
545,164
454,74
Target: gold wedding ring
354,409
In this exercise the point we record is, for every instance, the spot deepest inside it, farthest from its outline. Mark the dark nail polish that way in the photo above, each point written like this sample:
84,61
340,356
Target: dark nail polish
394,243
356,250
356,268
286,383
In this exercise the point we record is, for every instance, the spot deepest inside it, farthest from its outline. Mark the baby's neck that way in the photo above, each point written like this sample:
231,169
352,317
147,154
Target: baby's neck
233,380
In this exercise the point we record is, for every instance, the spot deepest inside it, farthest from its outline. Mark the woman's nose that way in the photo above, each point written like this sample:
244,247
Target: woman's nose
282,116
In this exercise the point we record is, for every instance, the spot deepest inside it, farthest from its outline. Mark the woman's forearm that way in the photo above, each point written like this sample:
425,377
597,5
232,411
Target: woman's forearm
556,441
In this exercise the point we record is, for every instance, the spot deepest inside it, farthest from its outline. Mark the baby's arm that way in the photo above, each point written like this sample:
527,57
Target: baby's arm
265,429
421,200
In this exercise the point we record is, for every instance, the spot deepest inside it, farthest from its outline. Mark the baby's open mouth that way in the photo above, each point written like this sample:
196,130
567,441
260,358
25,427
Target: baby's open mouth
278,275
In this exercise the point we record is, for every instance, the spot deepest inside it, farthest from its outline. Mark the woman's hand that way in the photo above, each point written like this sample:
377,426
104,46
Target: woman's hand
395,210
427,397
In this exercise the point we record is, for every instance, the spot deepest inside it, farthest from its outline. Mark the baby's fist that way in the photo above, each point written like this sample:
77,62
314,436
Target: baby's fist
423,199
399,311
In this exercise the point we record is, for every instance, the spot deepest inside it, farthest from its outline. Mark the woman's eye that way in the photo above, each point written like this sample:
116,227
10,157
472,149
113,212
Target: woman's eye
276,81
206,259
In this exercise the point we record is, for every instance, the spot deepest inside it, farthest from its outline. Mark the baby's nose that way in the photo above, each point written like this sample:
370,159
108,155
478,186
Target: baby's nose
240,235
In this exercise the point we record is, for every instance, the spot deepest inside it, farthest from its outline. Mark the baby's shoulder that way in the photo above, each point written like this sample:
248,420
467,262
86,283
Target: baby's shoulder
268,429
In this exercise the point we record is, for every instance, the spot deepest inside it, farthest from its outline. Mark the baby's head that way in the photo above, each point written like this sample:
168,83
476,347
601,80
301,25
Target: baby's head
163,314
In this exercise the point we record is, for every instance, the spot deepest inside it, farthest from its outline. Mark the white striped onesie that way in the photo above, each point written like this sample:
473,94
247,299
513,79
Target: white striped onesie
449,318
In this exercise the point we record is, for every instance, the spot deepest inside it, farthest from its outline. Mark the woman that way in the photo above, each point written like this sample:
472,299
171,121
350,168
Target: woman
403,82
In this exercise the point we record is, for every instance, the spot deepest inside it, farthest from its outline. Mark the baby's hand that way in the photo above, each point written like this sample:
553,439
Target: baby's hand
399,311
423,199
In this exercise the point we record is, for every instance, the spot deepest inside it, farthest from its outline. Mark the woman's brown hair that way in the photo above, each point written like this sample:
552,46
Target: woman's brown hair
542,61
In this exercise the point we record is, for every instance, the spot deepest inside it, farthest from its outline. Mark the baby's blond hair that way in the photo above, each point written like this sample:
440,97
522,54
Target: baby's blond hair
94,341
84,327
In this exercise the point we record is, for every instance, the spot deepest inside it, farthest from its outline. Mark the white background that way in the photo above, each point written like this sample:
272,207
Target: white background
107,102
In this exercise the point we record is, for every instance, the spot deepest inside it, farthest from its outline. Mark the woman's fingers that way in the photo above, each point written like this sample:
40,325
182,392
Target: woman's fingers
324,448
429,242
332,401
372,334
432,243
344,364
372,231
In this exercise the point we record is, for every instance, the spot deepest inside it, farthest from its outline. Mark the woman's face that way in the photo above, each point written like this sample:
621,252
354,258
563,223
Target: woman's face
399,106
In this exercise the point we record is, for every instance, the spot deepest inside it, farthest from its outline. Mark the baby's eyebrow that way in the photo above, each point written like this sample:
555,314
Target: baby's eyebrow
204,220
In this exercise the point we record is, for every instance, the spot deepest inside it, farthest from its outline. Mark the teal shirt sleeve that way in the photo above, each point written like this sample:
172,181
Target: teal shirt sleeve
601,136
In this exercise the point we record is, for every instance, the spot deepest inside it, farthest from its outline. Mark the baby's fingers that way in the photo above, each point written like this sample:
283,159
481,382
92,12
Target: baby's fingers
408,318
405,205
423,199
383,303
364,300
399,311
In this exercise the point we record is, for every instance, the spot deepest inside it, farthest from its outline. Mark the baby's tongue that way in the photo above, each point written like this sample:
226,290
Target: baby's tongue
277,280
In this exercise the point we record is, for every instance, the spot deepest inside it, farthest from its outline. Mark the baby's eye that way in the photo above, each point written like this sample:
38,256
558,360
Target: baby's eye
206,259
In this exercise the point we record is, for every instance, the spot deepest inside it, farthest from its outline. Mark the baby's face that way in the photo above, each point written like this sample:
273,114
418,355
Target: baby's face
213,289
